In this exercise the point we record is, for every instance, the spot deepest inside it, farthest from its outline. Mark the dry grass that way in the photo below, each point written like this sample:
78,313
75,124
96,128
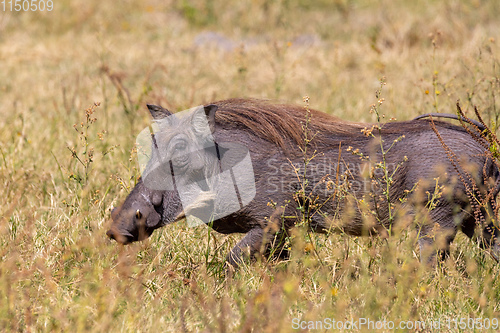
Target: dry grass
58,272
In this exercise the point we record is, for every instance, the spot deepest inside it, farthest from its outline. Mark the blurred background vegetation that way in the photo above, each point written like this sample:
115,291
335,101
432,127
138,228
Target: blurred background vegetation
73,87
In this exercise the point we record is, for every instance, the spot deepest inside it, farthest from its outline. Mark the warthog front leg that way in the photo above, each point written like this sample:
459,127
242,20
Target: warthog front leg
267,240
248,247
257,242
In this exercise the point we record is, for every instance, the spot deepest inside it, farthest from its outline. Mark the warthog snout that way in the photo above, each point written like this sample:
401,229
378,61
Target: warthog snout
122,237
137,217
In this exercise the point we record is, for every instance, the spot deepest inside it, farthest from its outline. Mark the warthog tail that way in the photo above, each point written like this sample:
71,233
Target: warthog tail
452,116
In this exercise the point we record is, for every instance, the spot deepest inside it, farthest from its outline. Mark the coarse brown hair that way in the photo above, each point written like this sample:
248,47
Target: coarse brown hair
282,124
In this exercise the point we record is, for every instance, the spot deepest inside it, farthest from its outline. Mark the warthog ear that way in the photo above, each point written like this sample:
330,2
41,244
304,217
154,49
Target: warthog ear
210,113
157,112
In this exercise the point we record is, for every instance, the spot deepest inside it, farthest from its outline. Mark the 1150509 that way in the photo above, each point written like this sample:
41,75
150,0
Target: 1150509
26,5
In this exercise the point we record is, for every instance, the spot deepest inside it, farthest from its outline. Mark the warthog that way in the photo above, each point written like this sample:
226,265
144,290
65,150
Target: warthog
349,172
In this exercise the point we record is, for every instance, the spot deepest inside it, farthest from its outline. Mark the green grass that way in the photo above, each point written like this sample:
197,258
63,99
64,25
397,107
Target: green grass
59,272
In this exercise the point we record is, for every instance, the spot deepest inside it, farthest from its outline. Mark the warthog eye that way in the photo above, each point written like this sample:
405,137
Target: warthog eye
138,214
180,145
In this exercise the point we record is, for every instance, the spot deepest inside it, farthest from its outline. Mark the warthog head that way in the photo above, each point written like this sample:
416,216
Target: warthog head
180,146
